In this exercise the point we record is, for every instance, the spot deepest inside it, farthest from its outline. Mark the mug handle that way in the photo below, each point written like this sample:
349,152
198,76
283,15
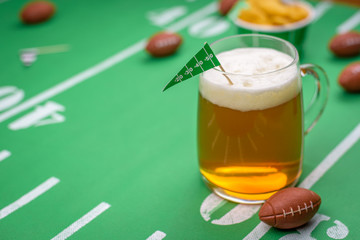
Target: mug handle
320,97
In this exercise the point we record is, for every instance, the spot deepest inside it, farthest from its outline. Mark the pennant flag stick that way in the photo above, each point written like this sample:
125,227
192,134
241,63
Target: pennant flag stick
226,76
204,60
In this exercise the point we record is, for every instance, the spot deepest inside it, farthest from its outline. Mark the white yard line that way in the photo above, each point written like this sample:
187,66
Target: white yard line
193,18
258,232
70,230
261,229
71,82
4,154
321,8
350,23
102,66
158,235
332,158
36,192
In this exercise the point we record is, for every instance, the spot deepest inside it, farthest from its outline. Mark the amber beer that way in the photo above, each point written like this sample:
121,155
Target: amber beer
250,134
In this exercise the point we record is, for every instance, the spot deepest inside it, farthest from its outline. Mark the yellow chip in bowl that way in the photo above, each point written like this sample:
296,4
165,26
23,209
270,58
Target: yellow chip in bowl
272,12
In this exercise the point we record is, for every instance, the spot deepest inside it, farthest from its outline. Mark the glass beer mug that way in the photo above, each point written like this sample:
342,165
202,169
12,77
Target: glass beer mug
251,121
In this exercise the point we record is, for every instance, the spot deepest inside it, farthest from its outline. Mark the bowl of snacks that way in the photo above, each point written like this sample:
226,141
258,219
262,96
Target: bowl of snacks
286,19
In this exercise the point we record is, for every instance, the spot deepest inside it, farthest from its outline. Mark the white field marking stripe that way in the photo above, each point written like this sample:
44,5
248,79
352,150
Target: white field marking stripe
4,154
321,8
332,158
69,83
238,214
199,63
158,235
194,17
70,230
258,232
36,192
261,229
102,66
349,24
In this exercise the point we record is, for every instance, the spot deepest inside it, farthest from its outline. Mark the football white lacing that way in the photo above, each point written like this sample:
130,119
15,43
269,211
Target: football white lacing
292,211
299,209
166,42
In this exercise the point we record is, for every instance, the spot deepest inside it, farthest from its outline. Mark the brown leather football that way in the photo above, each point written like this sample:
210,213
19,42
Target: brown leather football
163,44
290,208
345,44
37,12
349,78
225,6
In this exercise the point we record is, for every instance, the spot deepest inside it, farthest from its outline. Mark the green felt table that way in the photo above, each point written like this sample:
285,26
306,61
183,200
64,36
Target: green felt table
91,148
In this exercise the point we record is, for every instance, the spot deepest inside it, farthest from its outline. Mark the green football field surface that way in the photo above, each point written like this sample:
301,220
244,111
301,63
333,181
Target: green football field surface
90,148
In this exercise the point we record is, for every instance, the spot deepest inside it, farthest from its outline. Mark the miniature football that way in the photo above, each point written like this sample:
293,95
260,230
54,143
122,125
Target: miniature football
37,12
290,208
163,44
225,6
346,44
349,78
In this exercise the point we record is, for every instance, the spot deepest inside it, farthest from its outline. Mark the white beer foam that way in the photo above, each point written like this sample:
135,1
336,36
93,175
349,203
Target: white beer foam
252,90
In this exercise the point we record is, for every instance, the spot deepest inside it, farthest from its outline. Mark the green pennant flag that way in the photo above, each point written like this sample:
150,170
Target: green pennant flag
204,60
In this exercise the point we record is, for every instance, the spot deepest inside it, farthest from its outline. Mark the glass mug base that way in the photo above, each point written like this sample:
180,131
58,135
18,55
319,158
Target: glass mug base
244,198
